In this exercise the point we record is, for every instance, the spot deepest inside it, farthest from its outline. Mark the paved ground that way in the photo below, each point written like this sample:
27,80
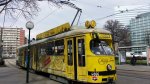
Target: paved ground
126,74
135,68
12,75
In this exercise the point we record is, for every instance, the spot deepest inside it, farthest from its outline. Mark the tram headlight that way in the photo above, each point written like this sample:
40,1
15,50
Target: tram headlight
109,67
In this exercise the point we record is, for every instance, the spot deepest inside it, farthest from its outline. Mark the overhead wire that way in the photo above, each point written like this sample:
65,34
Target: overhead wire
47,15
97,19
18,16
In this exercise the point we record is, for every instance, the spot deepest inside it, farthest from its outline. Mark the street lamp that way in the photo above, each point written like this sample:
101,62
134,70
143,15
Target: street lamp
29,26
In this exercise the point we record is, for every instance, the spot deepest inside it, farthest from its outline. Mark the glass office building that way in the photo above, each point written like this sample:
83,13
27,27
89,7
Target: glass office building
140,32
123,14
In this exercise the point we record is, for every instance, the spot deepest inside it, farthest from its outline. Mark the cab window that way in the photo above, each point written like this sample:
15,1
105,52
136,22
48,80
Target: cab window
100,47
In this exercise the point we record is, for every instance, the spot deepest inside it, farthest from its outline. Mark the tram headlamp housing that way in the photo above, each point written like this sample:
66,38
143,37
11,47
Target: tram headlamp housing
90,24
109,67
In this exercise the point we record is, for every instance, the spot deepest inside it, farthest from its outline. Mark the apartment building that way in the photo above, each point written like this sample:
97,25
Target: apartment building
11,39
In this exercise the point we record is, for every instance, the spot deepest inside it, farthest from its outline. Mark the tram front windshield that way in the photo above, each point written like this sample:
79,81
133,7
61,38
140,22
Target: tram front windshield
100,47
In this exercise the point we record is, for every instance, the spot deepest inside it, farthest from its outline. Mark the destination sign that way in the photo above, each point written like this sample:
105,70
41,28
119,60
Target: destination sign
105,36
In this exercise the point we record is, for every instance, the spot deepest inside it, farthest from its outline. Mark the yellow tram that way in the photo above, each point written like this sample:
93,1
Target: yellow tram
75,54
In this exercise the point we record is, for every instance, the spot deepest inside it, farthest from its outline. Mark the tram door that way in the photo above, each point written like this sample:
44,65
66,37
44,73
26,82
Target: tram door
81,63
76,58
70,58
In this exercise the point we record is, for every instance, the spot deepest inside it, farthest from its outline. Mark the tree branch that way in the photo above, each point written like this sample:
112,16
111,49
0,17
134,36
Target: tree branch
4,2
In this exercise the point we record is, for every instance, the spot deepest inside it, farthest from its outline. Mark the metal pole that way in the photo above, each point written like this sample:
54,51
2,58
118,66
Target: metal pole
75,17
28,60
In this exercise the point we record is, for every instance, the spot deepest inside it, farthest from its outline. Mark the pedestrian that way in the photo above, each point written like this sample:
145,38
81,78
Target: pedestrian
133,60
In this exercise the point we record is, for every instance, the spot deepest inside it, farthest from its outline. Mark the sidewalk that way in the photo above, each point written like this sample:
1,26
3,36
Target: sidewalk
13,75
134,68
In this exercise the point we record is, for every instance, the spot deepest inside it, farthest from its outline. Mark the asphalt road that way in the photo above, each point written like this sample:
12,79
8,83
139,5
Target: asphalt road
133,77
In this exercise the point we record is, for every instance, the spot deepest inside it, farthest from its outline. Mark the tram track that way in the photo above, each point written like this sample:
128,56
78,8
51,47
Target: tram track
134,74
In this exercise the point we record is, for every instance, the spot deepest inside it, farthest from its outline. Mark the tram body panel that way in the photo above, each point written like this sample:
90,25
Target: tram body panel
97,67
52,64
21,58
78,62
34,63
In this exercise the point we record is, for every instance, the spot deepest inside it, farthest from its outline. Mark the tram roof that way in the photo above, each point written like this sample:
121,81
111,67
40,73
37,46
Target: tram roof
74,31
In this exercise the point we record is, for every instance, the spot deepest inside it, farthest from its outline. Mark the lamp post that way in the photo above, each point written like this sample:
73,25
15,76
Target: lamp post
29,26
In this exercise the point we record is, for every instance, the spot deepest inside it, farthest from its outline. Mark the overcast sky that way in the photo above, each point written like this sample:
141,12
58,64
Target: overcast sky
50,16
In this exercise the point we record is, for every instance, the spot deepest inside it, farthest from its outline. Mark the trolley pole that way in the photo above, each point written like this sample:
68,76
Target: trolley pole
29,26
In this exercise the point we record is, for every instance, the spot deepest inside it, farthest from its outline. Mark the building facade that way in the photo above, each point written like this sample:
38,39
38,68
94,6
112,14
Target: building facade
124,14
11,39
140,32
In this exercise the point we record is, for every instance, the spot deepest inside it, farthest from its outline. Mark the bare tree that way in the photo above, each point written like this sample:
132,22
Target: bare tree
27,8
120,34
112,26
124,38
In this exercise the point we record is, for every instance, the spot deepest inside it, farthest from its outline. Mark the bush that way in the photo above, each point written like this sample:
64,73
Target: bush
138,62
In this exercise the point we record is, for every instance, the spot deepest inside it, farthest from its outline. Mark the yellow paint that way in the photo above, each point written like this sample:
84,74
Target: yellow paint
87,24
105,36
54,31
59,64
93,23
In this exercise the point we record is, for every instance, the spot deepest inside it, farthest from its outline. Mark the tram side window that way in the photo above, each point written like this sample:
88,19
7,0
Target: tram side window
50,48
35,53
70,57
59,47
31,52
43,50
81,52
39,51
19,52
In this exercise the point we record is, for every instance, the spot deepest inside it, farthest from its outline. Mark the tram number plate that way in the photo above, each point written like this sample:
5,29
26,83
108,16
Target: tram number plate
95,74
